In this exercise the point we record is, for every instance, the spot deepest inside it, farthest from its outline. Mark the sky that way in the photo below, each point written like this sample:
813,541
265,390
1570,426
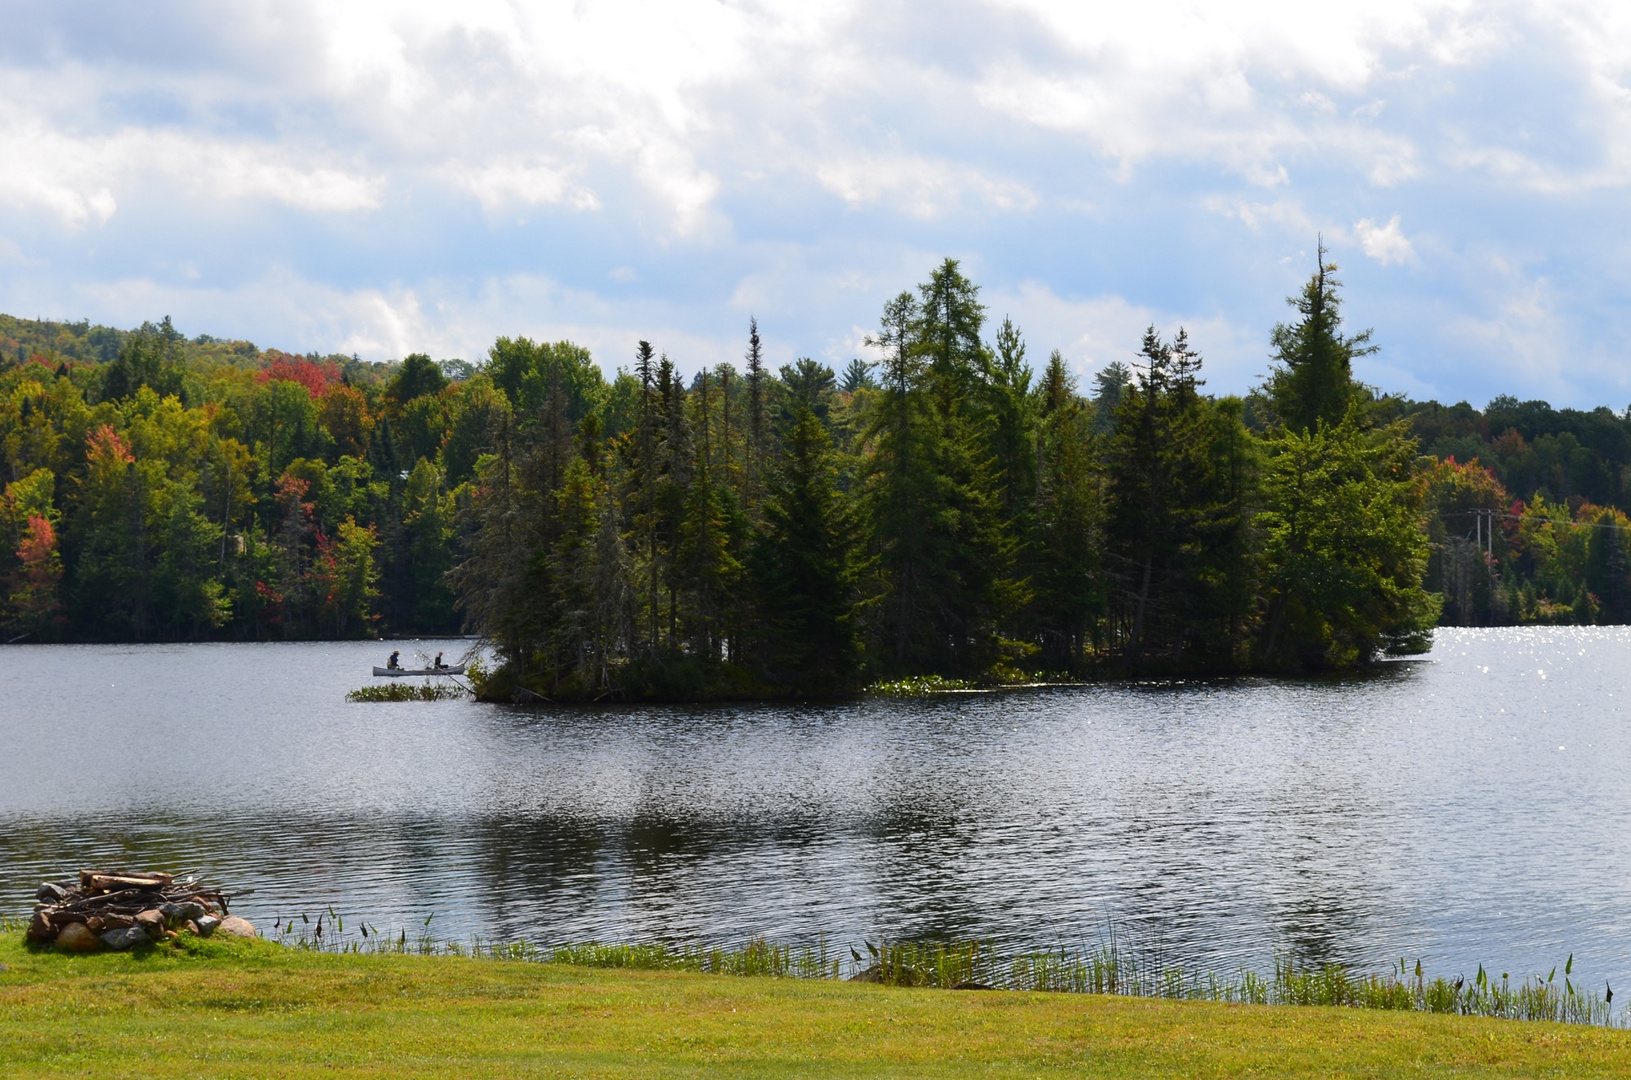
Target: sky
381,179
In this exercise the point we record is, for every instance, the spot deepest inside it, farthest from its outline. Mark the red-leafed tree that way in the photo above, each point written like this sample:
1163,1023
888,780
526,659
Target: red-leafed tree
34,602
315,375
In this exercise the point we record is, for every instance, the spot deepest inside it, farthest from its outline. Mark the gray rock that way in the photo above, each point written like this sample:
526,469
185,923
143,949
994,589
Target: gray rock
193,911
128,938
173,916
49,893
207,925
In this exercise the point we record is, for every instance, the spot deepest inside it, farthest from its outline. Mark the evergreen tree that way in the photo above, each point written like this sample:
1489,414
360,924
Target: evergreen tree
675,463
904,491
1109,386
943,556
804,567
1314,381
1608,567
112,575
147,358
189,600
1009,428
614,615
641,480
1344,547
757,434
857,376
491,581
1067,532
576,635
710,541
808,387
1160,487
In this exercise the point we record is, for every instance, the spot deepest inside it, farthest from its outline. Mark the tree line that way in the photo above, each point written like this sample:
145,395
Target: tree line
951,508
948,510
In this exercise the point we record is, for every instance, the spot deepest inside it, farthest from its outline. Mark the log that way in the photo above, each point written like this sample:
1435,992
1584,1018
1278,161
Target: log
99,881
107,899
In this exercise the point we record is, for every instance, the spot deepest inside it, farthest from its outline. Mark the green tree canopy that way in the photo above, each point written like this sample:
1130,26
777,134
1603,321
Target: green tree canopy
1313,383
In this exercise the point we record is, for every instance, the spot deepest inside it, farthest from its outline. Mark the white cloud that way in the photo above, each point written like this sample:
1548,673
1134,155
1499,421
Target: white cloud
1385,243
1242,85
1092,332
922,187
659,169
1287,215
49,171
74,177
247,172
502,184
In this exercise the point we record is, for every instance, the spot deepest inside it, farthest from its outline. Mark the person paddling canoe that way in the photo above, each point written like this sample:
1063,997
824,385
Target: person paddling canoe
438,662
392,662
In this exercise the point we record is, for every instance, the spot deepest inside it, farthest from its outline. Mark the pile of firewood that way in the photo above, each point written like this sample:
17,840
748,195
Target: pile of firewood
122,909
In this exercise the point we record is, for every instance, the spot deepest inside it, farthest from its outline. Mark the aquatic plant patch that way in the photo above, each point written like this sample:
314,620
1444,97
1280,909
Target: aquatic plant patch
408,692
921,686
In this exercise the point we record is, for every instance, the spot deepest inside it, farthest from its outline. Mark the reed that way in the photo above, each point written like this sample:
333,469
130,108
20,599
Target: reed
1116,966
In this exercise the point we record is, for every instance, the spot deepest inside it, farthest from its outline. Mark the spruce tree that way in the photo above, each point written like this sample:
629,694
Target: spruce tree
804,567
1159,483
1313,383
902,486
708,556
641,469
1345,548
1109,385
1066,531
756,435
1008,426
675,467
857,376
944,556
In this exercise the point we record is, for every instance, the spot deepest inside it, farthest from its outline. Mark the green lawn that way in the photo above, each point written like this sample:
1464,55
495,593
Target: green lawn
255,1010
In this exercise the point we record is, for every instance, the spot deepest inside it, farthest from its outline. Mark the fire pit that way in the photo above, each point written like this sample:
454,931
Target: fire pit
124,909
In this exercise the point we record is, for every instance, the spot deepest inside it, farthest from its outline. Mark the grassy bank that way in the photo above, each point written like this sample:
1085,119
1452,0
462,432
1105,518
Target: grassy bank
1116,966
223,1009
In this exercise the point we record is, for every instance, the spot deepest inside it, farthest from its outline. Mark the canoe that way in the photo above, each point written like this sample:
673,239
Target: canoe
445,669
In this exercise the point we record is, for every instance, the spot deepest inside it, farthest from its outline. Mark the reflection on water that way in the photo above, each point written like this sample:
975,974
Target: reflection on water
1465,808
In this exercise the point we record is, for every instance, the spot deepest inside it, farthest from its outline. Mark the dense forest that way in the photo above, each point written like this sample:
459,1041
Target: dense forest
952,508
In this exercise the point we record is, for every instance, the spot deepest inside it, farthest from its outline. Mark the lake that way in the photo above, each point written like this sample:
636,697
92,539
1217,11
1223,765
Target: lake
1466,807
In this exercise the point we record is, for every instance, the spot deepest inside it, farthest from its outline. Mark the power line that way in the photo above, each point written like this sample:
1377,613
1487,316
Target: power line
1525,517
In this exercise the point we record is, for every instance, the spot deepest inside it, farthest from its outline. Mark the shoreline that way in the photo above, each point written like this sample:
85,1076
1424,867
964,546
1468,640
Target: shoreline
257,1009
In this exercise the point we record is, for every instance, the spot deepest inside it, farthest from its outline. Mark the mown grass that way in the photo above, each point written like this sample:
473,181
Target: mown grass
221,1009
227,1009
1114,967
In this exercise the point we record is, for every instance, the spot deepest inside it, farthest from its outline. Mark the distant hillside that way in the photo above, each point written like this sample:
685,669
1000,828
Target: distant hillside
50,342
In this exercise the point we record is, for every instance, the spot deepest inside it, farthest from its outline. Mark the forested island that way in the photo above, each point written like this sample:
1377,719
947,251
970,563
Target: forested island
955,508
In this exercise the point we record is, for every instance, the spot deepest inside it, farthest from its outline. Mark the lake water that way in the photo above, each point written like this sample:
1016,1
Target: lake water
1468,807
